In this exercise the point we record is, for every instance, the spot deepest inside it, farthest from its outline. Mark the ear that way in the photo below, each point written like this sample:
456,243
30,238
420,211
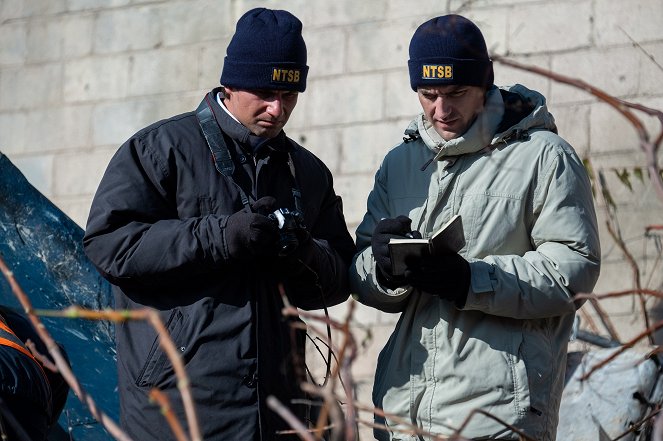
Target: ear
227,91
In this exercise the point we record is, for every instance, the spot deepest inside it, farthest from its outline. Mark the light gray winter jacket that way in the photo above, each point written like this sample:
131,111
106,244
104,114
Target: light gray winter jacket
532,243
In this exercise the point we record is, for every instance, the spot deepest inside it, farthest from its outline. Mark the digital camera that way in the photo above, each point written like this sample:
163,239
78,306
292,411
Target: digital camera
288,222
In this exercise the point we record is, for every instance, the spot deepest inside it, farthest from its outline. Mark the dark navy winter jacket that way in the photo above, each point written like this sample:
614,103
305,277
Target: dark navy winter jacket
156,230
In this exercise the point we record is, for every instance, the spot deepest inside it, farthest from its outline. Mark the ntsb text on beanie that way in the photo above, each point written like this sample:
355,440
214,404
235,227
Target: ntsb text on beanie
266,52
449,50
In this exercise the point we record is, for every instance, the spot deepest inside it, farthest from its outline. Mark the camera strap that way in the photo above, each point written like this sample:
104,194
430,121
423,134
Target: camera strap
222,160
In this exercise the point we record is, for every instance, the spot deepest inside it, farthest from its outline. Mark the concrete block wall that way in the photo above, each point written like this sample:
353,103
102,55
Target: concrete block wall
77,77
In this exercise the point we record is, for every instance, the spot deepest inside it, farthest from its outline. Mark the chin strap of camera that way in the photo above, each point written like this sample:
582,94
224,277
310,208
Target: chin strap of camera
222,159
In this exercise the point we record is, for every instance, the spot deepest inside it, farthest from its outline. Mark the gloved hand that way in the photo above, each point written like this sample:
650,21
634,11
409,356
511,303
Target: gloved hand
297,261
386,229
250,233
447,276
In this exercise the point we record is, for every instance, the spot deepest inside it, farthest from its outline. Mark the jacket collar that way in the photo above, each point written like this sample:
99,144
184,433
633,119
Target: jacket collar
243,135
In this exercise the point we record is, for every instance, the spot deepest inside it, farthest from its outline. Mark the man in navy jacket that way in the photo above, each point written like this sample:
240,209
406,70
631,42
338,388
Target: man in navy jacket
184,222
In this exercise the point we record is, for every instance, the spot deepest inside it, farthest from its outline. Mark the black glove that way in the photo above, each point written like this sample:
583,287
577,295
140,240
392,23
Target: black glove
384,230
250,233
447,276
294,263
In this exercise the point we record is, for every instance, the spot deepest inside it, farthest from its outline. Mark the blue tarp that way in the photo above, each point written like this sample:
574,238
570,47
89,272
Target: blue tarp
43,248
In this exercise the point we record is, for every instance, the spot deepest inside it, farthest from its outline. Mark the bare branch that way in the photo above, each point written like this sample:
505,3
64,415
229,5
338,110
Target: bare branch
175,426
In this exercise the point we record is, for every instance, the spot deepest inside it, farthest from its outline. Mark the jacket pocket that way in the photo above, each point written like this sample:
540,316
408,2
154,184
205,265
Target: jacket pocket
157,365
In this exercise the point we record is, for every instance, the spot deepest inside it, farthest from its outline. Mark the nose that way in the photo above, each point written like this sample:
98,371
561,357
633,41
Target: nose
442,107
275,106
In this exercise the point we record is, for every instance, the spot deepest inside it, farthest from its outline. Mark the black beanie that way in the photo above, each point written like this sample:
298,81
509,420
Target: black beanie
449,50
266,52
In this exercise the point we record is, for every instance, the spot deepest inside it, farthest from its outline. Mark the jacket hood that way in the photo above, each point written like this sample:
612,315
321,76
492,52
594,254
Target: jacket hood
509,111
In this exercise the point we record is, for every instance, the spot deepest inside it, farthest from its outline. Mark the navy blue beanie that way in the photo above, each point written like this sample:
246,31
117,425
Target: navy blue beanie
449,50
266,52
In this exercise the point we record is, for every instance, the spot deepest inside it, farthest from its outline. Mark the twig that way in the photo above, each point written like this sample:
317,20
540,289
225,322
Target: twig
636,276
175,426
523,436
637,426
649,292
287,415
629,344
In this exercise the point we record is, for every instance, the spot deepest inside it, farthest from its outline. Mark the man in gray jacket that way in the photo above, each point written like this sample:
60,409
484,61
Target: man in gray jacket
485,328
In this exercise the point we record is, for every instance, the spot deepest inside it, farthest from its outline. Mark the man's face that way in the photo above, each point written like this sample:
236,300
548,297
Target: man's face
451,110
263,112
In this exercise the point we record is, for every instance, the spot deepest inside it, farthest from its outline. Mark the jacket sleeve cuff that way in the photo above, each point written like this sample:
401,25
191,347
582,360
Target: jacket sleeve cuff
482,281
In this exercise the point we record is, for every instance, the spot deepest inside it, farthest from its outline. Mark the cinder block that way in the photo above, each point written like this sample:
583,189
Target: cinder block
92,79
300,8
550,27
573,125
52,129
344,13
211,55
494,25
651,69
325,143
38,7
194,22
77,35
78,173
617,22
326,51
83,5
114,122
30,87
365,157
610,130
11,10
459,4
299,117
45,133
38,170
400,100
618,74
76,125
77,208
171,70
354,191
119,30
425,9
14,36
44,40
13,132
379,45
354,107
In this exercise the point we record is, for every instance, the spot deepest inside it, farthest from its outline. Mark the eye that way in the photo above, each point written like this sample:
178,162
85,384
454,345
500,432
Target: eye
429,96
263,94
458,93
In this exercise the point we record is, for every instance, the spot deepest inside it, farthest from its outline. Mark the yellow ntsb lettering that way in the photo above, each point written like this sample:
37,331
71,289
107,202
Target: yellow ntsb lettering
437,71
285,75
